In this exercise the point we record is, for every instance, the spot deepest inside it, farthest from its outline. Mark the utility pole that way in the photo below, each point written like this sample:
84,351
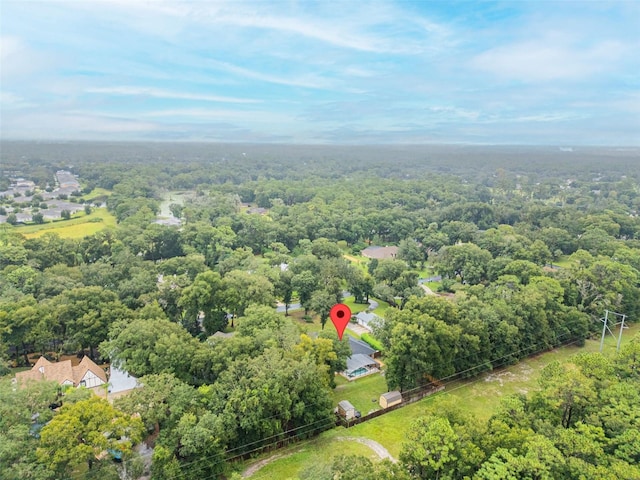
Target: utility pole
619,320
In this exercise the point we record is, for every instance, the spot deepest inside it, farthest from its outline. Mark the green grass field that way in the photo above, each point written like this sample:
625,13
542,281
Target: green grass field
80,225
306,455
563,262
96,193
358,260
479,396
353,306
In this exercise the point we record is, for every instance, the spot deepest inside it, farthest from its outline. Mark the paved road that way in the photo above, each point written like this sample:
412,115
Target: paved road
296,306
437,278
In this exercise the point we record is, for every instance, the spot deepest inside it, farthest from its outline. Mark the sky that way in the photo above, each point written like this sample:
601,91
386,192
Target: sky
538,72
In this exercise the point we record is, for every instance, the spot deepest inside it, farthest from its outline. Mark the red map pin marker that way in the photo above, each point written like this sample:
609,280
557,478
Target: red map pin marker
340,315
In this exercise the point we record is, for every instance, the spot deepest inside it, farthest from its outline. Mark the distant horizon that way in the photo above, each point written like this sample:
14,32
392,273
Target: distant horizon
567,148
390,72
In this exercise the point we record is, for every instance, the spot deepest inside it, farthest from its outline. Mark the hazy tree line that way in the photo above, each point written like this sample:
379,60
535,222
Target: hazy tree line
150,297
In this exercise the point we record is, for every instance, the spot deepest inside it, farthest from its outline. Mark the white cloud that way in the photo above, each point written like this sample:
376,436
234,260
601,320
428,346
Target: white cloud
306,81
248,117
160,93
374,28
551,58
9,100
17,59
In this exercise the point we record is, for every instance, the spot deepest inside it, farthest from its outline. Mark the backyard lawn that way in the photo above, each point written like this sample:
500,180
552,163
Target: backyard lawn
363,393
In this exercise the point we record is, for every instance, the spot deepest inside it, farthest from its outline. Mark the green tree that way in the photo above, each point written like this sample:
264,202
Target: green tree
305,283
321,302
430,449
241,289
206,295
284,289
85,315
23,411
81,432
410,252
151,346
421,348
468,261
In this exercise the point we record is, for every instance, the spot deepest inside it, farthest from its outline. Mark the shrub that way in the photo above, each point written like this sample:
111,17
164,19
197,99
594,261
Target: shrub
375,343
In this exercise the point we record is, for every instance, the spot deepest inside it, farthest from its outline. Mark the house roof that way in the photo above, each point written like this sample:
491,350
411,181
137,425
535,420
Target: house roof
220,334
354,362
61,372
86,364
358,346
366,317
392,396
380,253
121,381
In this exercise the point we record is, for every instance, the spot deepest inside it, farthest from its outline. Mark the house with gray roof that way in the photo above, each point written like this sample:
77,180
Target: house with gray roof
364,319
380,253
362,361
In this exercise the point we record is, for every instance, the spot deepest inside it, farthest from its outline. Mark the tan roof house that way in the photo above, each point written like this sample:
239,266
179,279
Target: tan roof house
85,374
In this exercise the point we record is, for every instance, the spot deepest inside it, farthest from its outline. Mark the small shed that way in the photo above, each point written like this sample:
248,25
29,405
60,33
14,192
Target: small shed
390,399
346,410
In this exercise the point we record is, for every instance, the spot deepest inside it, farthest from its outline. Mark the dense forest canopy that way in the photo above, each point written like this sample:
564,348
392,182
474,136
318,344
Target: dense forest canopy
530,246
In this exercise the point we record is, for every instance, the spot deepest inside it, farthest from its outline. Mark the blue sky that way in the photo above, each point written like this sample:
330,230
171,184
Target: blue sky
328,72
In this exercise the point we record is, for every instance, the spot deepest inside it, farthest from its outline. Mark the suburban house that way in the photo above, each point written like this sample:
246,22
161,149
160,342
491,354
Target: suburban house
364,319
85,374
346,410
361,362
120,381
380,253
390,399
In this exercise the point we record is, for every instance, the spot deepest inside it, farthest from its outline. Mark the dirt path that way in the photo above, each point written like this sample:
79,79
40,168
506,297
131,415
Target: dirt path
427,290
258,465
372,444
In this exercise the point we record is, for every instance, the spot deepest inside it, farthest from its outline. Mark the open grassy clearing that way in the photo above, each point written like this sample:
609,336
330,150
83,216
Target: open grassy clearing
96,193
480,396
79,226
357,259
563,262
353,306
